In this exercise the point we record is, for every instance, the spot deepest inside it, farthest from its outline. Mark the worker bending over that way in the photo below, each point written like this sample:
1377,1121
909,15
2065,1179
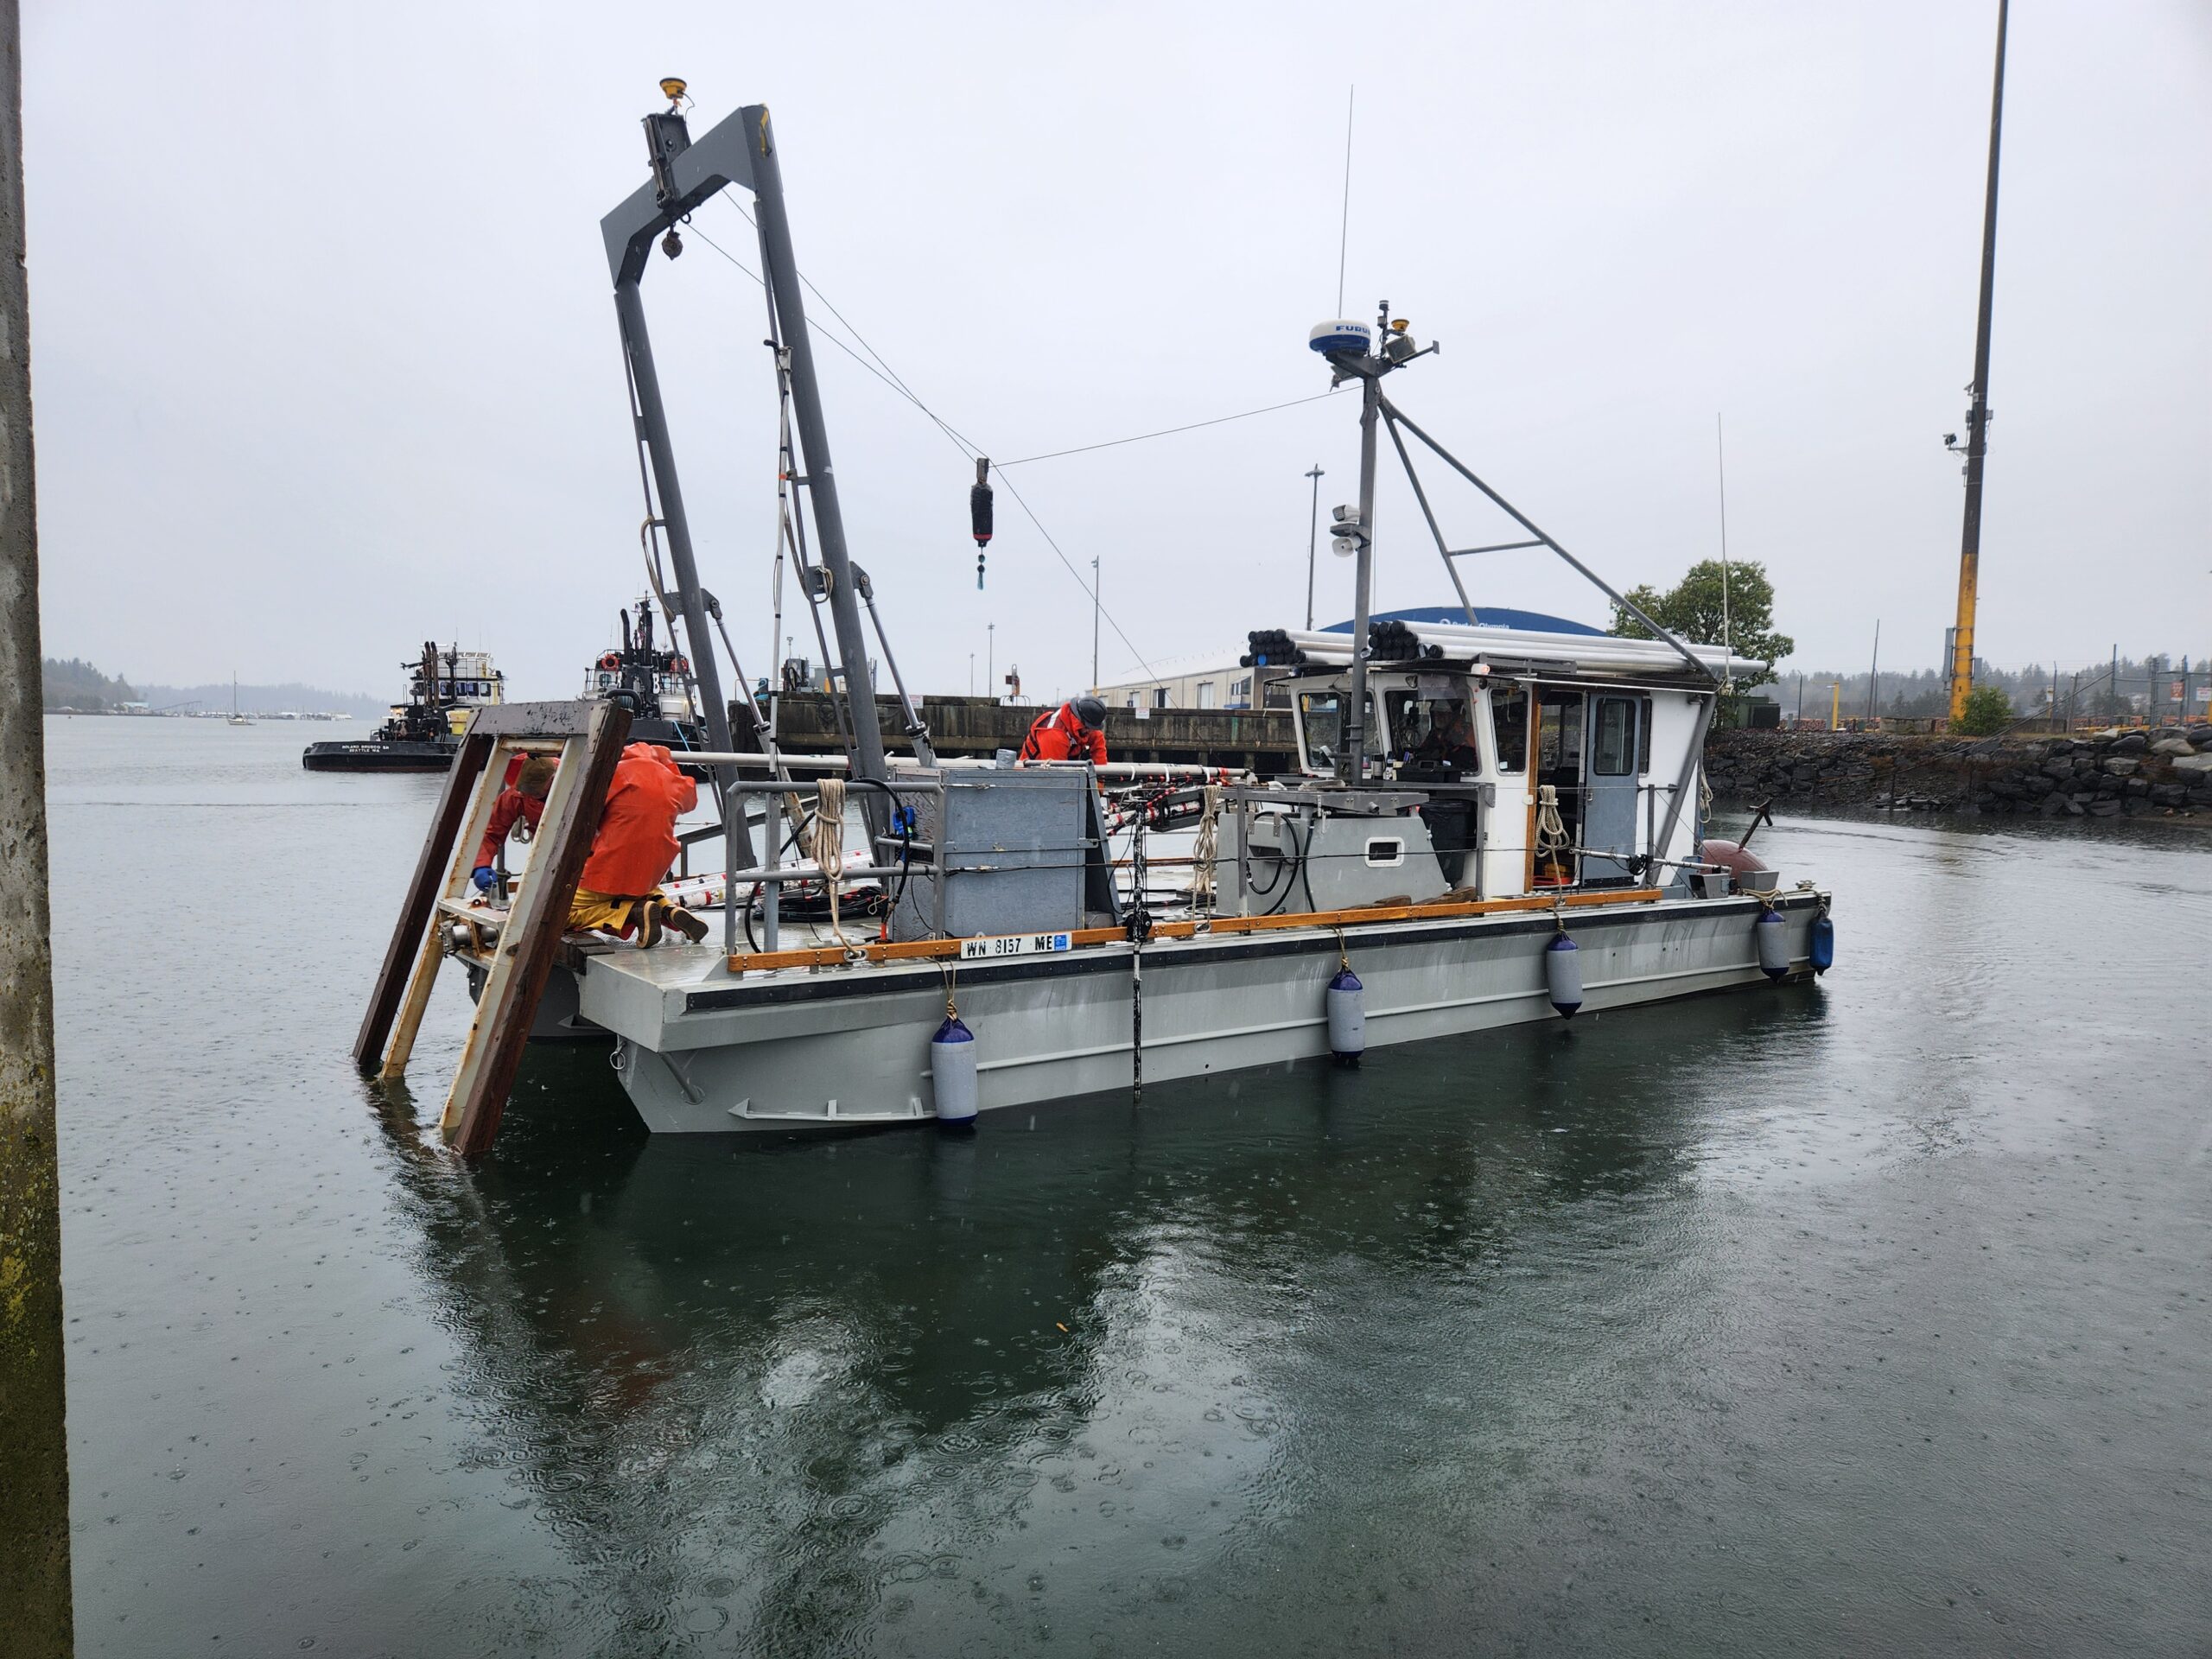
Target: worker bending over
523,800
620,891
1074,731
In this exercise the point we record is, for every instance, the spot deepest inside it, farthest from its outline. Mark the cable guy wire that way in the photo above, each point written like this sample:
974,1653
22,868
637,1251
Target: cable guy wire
966,446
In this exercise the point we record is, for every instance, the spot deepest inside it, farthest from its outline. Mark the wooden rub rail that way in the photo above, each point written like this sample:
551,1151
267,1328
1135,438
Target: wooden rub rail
587,738
744,961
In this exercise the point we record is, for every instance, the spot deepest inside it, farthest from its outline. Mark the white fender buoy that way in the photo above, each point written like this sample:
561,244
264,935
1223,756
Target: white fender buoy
1773,940
1347,1017
952,1071
1563,974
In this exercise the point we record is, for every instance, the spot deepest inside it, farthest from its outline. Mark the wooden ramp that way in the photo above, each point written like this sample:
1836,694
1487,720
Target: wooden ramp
586,738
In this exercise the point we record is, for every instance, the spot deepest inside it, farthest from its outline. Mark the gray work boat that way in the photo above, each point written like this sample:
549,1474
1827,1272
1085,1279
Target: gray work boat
1492,826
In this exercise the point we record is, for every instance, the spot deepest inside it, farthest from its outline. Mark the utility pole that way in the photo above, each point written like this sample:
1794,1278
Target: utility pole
34,1440
991,659
2112,687
1312,532
1978,410
1094,627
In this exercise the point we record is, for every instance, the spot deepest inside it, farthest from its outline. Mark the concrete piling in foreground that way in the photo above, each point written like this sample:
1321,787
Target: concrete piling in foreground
34,1596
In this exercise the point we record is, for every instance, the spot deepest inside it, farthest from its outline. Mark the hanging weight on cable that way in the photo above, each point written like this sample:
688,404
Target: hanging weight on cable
979,513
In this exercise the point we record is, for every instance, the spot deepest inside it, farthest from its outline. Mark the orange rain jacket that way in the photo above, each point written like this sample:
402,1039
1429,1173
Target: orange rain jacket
1060,736
511,804
636,842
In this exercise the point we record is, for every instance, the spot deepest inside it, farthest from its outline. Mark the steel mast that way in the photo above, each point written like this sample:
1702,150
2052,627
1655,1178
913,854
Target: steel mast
1977,446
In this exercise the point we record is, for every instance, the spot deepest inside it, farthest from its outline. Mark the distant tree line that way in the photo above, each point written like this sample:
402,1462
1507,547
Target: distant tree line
73,684
2145,685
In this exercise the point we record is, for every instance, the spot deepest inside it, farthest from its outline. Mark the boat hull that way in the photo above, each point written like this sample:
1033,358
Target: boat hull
700,1051
380,754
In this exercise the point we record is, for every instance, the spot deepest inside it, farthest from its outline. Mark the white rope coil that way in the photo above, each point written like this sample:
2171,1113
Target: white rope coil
1205,846
1551,829
825,844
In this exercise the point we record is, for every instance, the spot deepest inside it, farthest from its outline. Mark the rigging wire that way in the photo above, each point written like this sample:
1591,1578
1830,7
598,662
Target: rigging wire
1344,225
966,447
1164,431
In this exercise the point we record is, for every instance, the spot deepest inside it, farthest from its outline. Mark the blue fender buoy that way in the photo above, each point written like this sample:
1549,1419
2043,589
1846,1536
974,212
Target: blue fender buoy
1563,974
1773,940
952,1071
1823,942
1347,1017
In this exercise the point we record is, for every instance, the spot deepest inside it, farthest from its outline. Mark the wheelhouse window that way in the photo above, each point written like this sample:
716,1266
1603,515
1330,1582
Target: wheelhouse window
1321,722
1431,734
1508,715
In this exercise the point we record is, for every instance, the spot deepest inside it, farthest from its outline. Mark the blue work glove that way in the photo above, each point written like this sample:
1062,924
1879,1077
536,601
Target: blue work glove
482,877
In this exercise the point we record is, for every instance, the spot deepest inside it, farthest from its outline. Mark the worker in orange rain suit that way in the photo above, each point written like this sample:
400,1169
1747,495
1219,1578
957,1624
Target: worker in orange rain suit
523,799
1074,731
619,890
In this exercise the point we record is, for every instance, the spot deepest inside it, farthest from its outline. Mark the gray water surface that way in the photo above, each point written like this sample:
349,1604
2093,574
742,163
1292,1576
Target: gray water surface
1865,1317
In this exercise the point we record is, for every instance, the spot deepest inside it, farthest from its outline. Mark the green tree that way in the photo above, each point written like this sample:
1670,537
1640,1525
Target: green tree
1988,711
1691,611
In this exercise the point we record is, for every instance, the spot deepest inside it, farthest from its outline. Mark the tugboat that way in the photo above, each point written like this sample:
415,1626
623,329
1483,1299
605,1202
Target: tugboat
422,733
655,685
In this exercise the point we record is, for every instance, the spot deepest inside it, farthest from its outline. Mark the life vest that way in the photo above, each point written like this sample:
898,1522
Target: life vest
1059,736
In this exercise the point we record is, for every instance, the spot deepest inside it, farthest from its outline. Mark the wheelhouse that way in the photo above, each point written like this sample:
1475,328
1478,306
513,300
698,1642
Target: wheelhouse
1542,771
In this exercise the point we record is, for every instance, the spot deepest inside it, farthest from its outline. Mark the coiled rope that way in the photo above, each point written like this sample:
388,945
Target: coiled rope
825,844
1551,829
1204,848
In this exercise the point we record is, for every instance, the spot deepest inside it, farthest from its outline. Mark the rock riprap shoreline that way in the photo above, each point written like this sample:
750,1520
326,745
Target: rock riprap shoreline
2101,774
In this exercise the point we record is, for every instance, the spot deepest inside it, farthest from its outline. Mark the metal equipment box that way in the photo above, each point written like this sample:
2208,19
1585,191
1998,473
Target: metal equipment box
1008,850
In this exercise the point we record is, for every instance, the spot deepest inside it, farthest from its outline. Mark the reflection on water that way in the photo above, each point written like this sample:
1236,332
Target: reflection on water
814,1387
1866,1316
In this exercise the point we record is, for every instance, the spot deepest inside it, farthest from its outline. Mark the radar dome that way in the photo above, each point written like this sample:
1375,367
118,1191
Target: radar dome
1344,334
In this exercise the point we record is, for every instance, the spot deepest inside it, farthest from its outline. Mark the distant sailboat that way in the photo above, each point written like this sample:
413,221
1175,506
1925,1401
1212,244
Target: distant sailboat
237,719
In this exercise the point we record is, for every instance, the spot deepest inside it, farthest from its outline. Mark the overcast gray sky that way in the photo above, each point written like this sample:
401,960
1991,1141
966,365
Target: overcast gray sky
325,360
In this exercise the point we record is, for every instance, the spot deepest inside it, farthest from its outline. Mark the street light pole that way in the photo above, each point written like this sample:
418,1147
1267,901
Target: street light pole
1313,528
991,660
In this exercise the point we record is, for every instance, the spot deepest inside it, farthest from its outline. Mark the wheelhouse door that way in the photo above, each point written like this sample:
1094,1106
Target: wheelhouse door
1609,790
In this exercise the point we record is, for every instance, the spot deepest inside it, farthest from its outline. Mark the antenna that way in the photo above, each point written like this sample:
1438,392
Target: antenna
1727,640
1343,224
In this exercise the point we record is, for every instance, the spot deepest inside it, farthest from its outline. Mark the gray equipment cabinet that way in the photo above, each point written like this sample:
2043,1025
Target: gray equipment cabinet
1000,850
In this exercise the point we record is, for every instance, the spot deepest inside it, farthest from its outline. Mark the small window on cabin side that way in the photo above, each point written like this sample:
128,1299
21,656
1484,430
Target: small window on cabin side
1509,715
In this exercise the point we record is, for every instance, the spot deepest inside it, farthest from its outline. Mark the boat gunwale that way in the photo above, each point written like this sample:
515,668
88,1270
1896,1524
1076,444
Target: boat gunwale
910,975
